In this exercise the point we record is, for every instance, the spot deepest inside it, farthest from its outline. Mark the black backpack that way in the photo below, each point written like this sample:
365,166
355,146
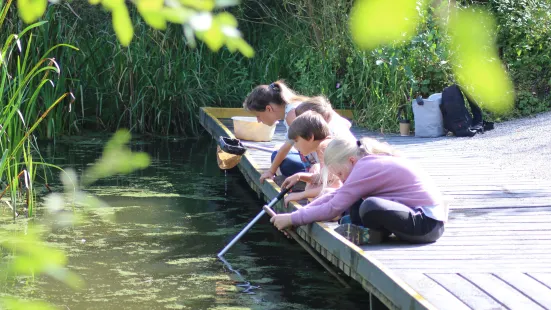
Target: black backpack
457,118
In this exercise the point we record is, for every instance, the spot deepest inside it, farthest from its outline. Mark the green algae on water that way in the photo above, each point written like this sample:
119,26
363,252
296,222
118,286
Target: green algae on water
125,273
223,231
175,306
191,260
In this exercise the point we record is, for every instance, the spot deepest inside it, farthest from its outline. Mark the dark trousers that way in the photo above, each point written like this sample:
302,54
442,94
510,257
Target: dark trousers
291,164
393,217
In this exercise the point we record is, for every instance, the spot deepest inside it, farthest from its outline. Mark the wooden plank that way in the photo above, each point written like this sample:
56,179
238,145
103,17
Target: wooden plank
496,249
531,288
440,296
493,226
503,233
390,287
459,266
501,291
498,213
462,267
511,225
457,220
459,256
468,293
543,278
394,250
488,239
498,227
448,242
393,292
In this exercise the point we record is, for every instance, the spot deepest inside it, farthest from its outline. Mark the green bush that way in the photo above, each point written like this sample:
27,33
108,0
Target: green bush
157,83
525,40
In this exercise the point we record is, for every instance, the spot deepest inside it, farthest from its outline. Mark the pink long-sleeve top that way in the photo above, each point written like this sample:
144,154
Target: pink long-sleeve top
388,177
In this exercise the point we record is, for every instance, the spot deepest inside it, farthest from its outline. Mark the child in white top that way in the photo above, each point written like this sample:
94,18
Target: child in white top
270,103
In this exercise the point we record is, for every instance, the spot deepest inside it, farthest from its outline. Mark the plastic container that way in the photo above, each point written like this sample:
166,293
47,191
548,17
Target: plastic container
248,128
404,127
429,122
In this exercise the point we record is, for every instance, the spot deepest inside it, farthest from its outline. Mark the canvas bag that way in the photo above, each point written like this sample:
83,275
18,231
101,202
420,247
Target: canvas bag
428,116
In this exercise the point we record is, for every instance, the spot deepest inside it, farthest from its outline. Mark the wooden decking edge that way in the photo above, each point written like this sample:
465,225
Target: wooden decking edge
374,276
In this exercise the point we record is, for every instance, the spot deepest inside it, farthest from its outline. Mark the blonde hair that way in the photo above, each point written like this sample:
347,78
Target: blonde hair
340,150
318,104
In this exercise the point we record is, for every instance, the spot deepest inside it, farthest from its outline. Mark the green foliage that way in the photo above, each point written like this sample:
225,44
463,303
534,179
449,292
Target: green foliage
23,77
30,255
378,22
524,38
474,56
197,17
116,158
156,84
15,304
529,104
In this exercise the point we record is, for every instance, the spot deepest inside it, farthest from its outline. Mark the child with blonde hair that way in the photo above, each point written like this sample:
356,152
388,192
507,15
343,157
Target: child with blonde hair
384,193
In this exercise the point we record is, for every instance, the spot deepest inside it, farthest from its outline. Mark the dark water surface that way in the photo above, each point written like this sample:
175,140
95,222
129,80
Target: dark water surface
155,246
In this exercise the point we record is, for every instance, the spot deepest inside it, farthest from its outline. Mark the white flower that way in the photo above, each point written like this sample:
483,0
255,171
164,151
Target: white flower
201,21
230,32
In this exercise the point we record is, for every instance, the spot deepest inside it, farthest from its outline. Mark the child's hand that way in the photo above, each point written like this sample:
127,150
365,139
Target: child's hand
292,197
291,181
266,175
282,221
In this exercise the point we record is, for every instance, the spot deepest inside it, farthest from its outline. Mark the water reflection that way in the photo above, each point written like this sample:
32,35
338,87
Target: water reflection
155,246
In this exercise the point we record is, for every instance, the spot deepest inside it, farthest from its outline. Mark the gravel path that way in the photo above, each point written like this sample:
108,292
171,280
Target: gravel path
522,146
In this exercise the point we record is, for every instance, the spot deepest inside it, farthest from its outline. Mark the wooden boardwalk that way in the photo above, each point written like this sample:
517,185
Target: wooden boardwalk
495,253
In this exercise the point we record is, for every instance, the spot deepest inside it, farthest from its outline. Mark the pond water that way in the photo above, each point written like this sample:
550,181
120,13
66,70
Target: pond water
155,246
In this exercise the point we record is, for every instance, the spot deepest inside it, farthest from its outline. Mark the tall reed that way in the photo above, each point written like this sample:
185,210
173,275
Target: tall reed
24,76
157,84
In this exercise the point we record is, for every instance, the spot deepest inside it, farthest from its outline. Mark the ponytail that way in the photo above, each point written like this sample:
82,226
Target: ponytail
277,93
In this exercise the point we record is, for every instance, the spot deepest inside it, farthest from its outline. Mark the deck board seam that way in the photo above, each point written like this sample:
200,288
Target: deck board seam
483,290
529,275
519,291
448,290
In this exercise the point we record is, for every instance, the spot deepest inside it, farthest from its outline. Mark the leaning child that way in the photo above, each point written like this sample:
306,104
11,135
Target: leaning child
384,193
311,135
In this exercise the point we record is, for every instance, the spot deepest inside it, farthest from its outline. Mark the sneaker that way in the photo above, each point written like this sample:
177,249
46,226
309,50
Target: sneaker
359,235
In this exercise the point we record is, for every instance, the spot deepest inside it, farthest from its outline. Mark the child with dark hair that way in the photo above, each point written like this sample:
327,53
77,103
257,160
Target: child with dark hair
311,135
270,103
